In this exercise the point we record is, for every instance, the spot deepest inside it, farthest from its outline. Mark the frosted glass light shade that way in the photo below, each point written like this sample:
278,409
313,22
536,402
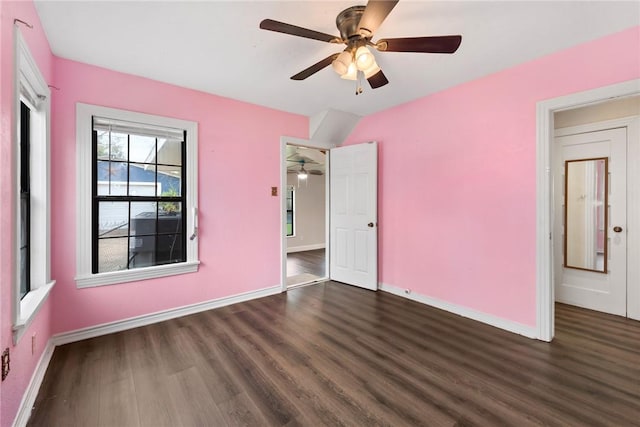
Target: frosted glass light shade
373,69
341,63
364,58
351,74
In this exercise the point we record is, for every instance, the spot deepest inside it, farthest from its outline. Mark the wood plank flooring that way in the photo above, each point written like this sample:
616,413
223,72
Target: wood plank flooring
309,262
331,354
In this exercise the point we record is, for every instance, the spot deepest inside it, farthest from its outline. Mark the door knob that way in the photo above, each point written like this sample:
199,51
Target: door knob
617,229
370,225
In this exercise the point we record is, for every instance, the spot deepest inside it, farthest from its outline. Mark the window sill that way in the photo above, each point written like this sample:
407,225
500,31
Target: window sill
29,307
134,275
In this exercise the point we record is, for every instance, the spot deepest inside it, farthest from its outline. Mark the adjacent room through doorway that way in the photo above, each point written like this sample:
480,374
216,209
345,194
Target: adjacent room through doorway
305,215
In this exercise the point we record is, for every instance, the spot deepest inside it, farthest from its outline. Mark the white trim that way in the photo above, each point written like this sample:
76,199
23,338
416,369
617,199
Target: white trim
84,275
160,316
284,140
489,319
544,194
30,394
29,84
136,274
29,307
291,249
596,126
633,219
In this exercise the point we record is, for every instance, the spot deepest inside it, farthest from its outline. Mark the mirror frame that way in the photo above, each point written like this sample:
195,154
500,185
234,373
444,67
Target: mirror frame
606,213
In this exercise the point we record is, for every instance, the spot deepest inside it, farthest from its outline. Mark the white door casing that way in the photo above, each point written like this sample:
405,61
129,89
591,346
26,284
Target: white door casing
353,236
545,158
605,292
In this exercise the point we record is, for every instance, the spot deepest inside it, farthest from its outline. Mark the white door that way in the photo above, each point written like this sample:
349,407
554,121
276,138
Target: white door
591,196
353,215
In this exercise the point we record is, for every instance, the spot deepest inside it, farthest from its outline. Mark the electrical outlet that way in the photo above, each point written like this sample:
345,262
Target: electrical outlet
274,191
33,344
5,363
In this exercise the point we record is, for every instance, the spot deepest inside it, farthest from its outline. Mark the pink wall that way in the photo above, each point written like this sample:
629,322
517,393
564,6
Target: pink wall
239,220
22,361
457,191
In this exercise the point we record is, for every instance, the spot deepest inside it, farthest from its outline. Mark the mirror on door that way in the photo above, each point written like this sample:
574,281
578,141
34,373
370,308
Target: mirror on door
585,220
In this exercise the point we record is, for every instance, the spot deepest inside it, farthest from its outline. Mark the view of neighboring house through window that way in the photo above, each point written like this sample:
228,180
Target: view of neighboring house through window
25,201
290,195
139,195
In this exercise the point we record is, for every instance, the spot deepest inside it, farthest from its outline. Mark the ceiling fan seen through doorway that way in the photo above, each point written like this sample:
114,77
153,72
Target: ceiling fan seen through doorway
357,25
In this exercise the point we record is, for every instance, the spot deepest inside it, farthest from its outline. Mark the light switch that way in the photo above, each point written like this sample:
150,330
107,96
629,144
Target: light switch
274,191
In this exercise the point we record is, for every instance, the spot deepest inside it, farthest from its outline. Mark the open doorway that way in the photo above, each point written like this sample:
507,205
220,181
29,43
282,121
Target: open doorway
595,153
548,238
305,215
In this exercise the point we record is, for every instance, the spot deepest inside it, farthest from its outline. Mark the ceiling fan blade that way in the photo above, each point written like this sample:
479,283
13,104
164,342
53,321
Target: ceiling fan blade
375,12
377,80
281,27
435,44
315,68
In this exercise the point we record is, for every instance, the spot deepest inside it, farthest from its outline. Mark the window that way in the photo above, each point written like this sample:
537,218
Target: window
290,204
24,244
137,179
138,195
31,188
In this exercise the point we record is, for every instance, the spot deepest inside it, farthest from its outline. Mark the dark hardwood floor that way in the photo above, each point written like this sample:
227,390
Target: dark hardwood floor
331,354
311,262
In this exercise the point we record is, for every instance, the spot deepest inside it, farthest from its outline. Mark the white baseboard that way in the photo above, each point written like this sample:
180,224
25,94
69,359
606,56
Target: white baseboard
30,394
148,319
305,248
489,319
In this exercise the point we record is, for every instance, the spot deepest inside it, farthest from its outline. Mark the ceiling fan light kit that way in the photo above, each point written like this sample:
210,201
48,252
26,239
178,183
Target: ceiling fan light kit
357,25
302,173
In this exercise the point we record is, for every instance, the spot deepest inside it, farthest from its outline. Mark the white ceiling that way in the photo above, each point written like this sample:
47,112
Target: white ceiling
217,47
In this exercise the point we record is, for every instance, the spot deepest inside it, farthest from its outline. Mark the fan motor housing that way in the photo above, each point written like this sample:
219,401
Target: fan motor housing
348,21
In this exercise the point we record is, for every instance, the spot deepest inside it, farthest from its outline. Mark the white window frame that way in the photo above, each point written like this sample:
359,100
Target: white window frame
31,88
84,126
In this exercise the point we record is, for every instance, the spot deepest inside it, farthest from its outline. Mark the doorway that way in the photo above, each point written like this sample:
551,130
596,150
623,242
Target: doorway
305,214
547,237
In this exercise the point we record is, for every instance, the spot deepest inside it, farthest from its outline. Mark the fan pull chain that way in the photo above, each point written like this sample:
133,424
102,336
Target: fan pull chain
360,74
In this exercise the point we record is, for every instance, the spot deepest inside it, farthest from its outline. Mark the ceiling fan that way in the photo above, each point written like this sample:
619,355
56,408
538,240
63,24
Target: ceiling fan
357,25
302,172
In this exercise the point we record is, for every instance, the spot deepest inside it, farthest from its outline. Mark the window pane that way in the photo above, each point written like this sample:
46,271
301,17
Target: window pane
113,254
143,180
118,146
142,149
143,218
169,180
142,251
24,271
289,229
170,151
112,178
170,217
113,219
103,144
24,220
169,249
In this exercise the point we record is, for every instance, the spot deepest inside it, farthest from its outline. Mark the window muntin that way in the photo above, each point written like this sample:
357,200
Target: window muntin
290,211
139,190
